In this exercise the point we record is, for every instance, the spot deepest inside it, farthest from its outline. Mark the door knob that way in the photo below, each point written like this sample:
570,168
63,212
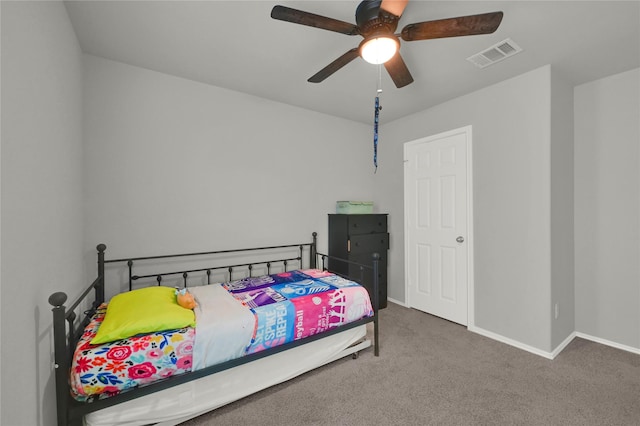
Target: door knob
460,239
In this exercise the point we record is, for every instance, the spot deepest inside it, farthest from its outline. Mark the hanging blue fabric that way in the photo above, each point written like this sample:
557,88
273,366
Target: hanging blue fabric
375,133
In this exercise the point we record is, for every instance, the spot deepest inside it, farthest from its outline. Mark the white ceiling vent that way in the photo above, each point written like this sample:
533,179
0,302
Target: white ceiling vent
495,53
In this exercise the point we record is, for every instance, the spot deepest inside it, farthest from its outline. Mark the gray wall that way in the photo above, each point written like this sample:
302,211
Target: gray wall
562,214
41,175
511,172
607,205
564,227
173,165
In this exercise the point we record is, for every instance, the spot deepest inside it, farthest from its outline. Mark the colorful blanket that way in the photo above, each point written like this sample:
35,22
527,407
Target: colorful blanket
110,368
232,319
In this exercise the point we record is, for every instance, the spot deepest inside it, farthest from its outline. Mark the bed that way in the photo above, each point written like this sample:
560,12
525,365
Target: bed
262,316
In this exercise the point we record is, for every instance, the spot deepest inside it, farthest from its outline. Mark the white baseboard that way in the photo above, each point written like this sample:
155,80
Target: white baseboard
536,351
563,345
558,349
510,342
608,343
397,302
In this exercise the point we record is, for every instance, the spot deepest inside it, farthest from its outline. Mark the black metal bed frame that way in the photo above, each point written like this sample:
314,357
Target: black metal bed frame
67,330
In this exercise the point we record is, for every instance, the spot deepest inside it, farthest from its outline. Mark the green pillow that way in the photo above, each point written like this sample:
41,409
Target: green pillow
147,310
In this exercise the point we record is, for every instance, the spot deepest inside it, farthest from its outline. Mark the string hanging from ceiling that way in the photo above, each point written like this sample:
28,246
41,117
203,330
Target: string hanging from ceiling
376,119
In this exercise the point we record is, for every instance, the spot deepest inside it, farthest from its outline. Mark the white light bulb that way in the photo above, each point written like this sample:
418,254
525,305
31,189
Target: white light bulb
378,50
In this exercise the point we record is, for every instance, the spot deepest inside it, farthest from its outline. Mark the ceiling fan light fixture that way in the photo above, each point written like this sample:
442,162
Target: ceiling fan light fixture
377,21
379,49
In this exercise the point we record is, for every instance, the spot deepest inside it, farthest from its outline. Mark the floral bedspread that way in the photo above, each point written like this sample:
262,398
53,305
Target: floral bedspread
110,368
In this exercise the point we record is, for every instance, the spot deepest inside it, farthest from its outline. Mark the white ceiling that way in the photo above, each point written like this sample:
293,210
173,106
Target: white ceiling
236,45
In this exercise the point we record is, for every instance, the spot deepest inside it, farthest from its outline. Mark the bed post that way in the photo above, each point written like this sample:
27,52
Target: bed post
100,287
61,356
376,302
313,252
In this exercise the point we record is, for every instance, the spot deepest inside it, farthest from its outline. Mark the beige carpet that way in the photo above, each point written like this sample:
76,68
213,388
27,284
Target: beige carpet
433,372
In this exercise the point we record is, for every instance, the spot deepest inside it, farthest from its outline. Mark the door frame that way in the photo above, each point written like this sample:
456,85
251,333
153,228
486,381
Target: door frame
467,130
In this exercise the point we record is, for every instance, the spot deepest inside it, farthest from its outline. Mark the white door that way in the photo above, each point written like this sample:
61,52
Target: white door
437,214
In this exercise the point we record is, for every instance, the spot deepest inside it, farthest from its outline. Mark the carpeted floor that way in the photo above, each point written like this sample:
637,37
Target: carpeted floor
433,372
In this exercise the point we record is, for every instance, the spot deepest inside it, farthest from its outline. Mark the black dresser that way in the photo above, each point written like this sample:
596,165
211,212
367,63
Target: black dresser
356,237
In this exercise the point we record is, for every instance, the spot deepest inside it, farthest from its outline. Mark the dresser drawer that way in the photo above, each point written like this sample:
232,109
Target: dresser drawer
369,243
365,276
367,224
366,259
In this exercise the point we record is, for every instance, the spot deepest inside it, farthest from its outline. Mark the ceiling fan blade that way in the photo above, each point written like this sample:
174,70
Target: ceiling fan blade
398,71
288,14
485,23
334,66
394,7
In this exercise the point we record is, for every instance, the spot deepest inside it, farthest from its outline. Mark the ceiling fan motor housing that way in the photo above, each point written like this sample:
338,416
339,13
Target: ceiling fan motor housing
372,23
366,11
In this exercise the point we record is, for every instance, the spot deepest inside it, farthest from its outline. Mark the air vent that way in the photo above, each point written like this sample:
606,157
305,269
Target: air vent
495,53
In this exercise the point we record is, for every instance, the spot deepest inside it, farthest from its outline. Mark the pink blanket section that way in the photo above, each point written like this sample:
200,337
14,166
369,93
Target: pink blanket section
320,312
316,273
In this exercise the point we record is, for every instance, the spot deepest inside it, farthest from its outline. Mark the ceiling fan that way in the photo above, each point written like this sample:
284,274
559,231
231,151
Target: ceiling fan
376,22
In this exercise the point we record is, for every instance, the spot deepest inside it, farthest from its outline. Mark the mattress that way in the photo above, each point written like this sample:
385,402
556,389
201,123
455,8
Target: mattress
232,320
